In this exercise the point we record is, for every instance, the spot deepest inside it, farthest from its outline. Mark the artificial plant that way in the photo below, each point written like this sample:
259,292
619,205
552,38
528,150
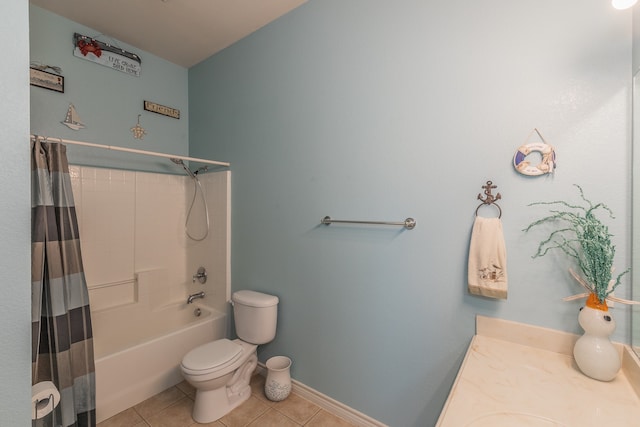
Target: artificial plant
585,238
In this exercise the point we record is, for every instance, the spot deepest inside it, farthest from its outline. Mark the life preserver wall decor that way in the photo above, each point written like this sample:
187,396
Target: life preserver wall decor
547,163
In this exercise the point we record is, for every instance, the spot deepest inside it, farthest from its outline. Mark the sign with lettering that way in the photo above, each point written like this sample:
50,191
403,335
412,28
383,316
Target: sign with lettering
106,55
161,109
41,78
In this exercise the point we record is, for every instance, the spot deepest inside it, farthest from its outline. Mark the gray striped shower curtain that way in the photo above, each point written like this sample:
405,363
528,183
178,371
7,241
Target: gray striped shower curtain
62,340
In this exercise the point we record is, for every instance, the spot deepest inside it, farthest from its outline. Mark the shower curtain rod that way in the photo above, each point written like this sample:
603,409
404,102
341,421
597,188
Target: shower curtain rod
131,150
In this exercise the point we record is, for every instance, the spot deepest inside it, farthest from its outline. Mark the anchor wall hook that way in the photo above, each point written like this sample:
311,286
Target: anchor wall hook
490,199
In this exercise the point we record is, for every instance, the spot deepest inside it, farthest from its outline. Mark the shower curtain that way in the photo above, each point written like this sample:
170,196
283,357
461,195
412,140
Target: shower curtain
62,343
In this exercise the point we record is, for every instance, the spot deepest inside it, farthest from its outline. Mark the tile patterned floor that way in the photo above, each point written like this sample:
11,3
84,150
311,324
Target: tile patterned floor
172,408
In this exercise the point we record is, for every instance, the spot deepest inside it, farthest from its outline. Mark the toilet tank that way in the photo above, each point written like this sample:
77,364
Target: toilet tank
255,315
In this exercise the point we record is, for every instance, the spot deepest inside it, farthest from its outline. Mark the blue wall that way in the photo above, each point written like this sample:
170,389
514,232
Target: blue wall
107,101
15,227
382,110
374,110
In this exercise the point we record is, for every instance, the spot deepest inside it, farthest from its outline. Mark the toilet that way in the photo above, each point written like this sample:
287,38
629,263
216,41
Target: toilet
221,370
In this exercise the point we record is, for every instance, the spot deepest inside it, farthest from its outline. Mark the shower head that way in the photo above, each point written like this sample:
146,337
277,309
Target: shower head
181,163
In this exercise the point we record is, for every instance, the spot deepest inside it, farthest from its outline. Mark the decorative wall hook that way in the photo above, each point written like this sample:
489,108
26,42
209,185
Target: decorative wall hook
138,131
490,199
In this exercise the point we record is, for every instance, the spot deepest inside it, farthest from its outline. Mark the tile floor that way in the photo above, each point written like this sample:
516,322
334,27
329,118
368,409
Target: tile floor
172,408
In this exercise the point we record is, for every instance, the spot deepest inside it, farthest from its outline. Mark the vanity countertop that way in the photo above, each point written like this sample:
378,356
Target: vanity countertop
522,375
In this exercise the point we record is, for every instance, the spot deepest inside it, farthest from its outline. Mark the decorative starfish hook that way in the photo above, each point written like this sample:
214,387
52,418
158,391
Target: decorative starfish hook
138,131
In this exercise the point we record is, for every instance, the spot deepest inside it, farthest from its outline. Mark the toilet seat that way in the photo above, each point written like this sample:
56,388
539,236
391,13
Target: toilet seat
211,357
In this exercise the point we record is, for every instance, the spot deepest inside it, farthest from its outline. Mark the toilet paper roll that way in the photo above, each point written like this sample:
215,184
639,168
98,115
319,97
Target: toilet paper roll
44,398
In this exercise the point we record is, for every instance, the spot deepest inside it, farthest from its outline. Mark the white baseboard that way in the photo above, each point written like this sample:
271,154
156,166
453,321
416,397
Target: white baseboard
328,404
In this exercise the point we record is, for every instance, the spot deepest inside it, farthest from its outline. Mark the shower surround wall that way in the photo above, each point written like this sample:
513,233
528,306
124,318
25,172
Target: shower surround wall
133,223
139,263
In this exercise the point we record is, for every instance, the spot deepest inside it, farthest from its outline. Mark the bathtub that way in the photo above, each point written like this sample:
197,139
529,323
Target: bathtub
138,352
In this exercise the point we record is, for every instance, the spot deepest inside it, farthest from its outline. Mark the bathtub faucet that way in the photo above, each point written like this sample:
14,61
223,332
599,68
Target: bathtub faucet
195,296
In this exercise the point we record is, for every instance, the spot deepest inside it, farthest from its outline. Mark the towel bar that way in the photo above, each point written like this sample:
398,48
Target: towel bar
408,223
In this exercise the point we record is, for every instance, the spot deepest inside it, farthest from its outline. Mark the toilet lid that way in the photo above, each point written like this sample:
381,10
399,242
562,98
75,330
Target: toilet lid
211,355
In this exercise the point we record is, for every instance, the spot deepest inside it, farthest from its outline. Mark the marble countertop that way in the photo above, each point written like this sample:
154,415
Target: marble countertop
521,375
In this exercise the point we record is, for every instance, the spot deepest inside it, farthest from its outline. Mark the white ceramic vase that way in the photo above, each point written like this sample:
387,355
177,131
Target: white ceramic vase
594,353
277,387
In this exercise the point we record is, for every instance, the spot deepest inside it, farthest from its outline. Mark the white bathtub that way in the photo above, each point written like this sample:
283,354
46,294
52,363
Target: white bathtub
138,352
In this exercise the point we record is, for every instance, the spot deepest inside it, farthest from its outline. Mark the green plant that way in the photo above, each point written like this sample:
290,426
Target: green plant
586,239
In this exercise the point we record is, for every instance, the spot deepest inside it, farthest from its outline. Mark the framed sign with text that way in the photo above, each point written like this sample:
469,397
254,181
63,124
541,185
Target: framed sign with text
161,109
51,81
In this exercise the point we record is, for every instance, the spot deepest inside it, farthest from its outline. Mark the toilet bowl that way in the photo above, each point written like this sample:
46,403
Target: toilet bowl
221,370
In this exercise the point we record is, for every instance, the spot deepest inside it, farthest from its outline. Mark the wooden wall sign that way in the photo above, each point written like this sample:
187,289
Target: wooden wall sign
106,55
46,80
161,109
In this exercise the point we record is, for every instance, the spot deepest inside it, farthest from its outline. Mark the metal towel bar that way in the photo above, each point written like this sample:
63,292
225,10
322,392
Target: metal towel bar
408,223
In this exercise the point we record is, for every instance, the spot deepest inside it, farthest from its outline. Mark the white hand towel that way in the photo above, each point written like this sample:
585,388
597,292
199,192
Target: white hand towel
488,259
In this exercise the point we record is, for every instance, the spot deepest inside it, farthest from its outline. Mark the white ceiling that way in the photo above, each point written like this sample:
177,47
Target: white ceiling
184,32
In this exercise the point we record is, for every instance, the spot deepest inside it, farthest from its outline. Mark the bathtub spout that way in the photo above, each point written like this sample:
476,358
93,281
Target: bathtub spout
195,296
